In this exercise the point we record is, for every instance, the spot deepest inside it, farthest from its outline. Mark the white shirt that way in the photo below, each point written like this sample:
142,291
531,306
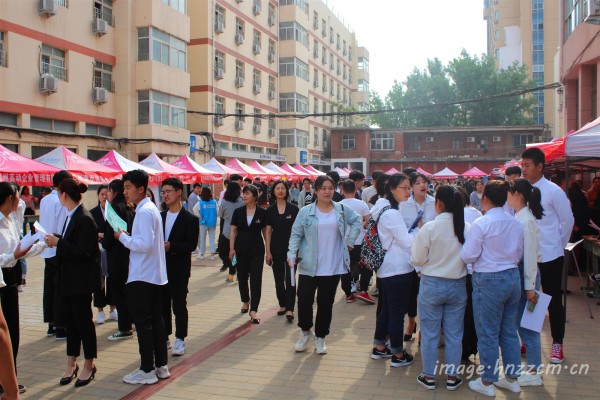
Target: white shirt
508,209
169,221
9,239
410,208
531,254
192,201
557,223
395,239
330,260
147,261
69,216
471,214
52,218
436,250
361,208
221,197
494,243
367,193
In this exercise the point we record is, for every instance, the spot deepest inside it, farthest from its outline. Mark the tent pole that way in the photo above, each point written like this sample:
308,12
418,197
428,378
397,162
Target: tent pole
566,262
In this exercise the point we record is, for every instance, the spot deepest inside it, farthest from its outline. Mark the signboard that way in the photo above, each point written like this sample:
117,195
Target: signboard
193,144
303,156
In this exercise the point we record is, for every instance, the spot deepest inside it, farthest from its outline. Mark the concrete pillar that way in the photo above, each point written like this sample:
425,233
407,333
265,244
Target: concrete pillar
570,105
585,95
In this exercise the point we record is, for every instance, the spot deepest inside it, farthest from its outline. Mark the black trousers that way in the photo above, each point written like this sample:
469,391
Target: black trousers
356,272
414,294
103,296
174,297
469,340
551,278
9,301
77,311
286,293
146,308
50,298
324,287
119,295
223,250
250,266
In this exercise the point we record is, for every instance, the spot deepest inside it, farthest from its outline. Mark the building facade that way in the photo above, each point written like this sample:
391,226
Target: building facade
115,79
432,149
527,32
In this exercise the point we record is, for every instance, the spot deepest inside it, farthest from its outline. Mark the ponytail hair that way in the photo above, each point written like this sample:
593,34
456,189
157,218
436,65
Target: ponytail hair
531,194
392,183
380,183
453,203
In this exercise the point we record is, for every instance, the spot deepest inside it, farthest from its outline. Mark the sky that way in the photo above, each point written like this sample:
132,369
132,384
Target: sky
403,34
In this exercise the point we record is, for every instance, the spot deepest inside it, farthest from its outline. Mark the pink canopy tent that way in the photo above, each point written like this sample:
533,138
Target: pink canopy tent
301,175
270,174
290,176
114,160
446,173
215,166
24,171
392,171
204,175
422,171
302,169
247,170
81,168
313,170
474,173
154,161
343,174
347,170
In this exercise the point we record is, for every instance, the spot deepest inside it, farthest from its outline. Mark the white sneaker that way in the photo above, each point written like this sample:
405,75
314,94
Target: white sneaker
213,257
162,372
179,348
199,257
113,316
530,380
512,386
100,318
321,346
169,345
303,340
478,386
140,377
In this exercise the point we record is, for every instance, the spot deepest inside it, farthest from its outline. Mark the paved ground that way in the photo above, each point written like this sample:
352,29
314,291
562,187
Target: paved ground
228,358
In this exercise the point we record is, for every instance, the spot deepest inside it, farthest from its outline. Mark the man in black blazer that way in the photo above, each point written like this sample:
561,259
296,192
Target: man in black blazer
181,229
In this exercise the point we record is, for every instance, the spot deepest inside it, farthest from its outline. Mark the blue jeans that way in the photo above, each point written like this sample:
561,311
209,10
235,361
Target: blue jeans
496,297
441,302
211,239
531,339
390,320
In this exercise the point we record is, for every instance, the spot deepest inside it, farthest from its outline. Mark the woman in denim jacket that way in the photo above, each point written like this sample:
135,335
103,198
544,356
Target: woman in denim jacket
322,234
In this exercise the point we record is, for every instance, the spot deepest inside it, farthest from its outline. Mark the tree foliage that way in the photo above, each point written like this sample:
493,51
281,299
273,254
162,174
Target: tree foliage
465,77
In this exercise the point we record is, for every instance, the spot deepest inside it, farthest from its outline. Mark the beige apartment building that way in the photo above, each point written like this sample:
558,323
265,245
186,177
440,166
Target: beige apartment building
528,32
94,75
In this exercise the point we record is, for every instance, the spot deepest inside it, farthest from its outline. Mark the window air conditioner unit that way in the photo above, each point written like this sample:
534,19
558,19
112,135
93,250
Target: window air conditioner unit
239,38
100,27
256,88
271,132
256,9
471,139
100,95
48,84
496,139
48,7
239,125
592,12
537,139
219,73
256,49
239,81
218,120
271,57
271,94
429,139
220,27
256,129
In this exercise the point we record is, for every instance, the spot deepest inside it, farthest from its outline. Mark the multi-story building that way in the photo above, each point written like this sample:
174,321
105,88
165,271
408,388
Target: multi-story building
527,32
580,63
94,75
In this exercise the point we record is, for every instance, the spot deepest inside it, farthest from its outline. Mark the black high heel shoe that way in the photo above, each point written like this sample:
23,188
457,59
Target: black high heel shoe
83,382
65,380
254,320
290,318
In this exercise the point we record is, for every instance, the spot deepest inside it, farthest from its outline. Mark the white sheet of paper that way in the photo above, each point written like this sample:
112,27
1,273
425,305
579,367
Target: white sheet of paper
535,320
29,240
39,228
571,246
292,276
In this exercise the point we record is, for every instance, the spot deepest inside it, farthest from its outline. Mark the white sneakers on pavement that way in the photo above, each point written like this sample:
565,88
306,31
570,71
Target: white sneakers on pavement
478,386
321,346
113,316
162,372
179,347
512,386
527,379
139,377
303,340
100,318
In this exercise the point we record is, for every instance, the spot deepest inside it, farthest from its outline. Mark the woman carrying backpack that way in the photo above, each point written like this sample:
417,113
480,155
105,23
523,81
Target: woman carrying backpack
395,274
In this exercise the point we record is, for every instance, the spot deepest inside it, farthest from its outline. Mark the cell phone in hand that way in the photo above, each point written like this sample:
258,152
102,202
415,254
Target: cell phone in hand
531,305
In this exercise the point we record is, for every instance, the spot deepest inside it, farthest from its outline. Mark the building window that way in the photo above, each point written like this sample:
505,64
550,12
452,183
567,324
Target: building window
315,20
239,73
302,4
2,51
324,82
53,62
456,142
51,124
316,106
293,31
256,81
293,102
339,92
179,5
332,86
293,67
363,64
219,19
103,10
338,45
271,123
331,61
382,141
345,72
323,27
256,42
293,138
316,49
256,149
256,7
63,3
219,106
222,145
331,35
8,119
257,118
363,86
316,77
103,76
344,48
271,19
271,50
239,111
324,58
339,67
519,141
272,151
98,130
161,109
348,142
95,155
496,16
414,143
161,47
315,136
239,147
239,30
271,84
219,61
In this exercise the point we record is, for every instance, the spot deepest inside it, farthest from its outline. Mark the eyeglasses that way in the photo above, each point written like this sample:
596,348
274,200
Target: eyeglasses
168,191
407,188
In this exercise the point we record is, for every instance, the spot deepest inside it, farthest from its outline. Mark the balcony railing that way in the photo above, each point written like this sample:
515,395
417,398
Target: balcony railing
57,71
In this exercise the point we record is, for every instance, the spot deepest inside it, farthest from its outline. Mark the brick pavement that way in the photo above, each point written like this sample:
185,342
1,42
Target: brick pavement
226,357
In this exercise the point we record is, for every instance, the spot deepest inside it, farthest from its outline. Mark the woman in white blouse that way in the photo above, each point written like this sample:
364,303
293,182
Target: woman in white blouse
442,293
526,200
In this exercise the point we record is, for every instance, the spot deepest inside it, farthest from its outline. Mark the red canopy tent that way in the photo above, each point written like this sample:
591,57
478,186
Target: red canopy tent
553,149
301,175
204,175
215,166
302,169
114,160
271,174
343,174
422,171
312,169
290,176
81,168
24,171
244,169
474,173
446,173
392,171
154,161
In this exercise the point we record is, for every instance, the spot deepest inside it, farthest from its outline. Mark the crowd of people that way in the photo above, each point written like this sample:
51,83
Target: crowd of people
466,257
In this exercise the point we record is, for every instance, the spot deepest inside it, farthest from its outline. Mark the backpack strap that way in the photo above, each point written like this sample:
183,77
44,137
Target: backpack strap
381,212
